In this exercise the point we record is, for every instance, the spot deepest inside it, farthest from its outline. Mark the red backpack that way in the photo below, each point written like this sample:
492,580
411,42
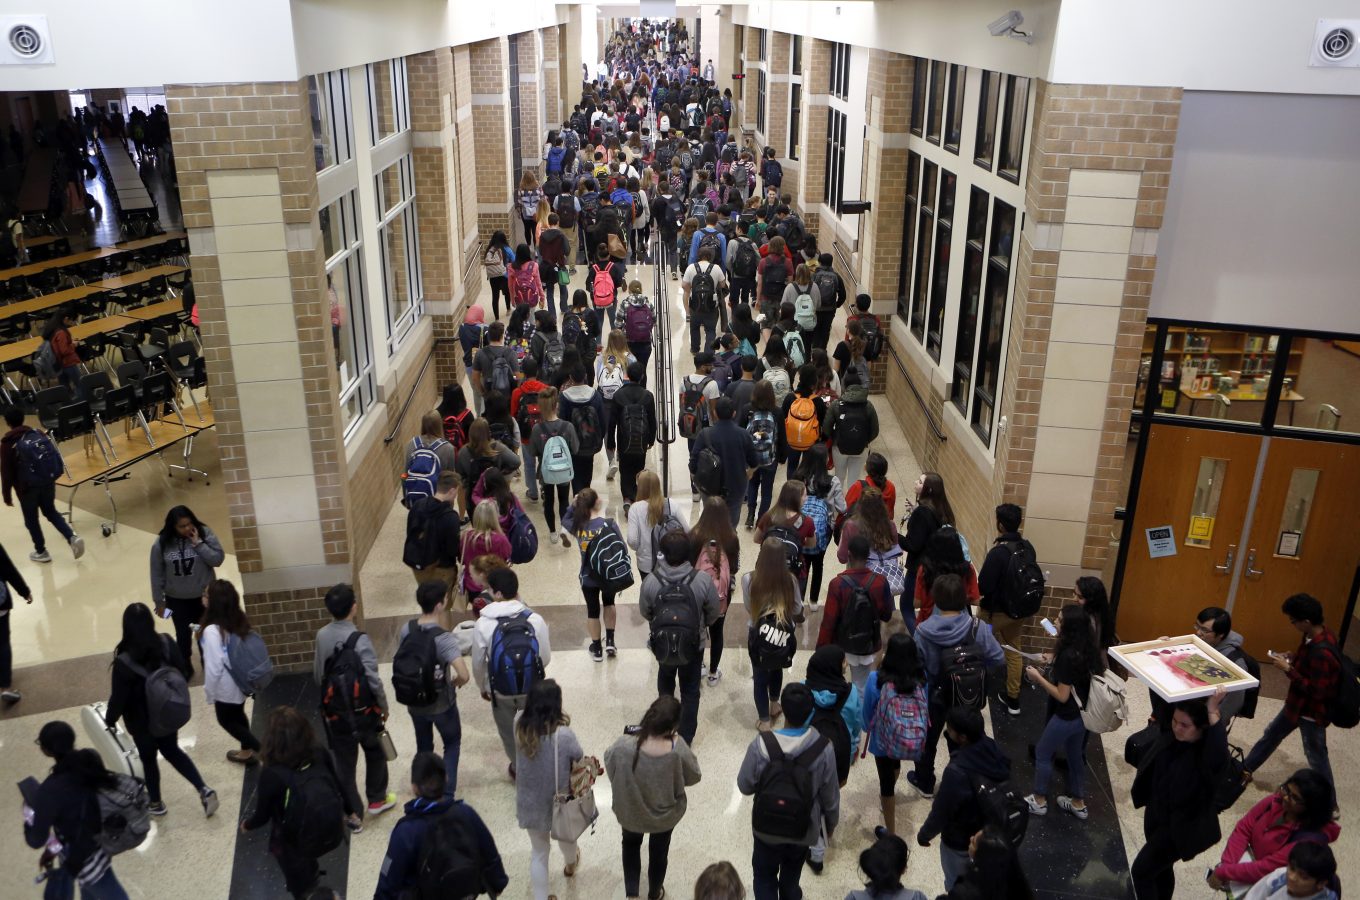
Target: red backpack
603,288
524,284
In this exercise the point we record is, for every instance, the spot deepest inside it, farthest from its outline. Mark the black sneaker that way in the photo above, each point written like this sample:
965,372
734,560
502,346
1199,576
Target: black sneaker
1012,704
596,651
751,519
927,793
609,648
815,866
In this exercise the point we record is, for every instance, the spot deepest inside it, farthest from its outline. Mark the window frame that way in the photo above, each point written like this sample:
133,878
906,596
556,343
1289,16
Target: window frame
837,124
398,94
1008,119
795,119
360,388
761,105
340,129
1002,266
762,44
796,56
920,79
404,207
989,107
935,104
953,115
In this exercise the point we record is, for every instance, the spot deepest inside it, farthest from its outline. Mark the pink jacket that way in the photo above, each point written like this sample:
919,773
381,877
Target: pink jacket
1269,839
475,545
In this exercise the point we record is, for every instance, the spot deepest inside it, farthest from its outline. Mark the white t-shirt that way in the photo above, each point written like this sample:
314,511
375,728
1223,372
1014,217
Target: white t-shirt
719,279
711,391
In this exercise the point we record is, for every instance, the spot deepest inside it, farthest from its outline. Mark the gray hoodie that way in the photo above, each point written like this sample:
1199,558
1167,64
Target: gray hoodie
826,802
181,570
705,594
1231,647
337,633
939,632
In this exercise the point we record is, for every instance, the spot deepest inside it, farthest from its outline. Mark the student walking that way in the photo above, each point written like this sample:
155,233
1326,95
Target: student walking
680,603
224,622
510,650
774,604
66,808
883,864
1076,658
183,557
423,683
583,406
836,716
932,510
734,452
1003,604
651,517
822,503
648,774
785,830
715,549
427,843
11,583
495,263
353,704
633,428
794,531
895,719
546,750
554,445
585,521
857,601
803,418
432,534
765,424
296,763
30,464
140,653
852,425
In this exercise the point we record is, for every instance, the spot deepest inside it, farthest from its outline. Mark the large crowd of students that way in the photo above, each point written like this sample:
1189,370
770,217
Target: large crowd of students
645,156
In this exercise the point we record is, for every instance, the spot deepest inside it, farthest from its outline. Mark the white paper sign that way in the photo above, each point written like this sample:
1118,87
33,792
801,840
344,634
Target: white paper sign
1161,541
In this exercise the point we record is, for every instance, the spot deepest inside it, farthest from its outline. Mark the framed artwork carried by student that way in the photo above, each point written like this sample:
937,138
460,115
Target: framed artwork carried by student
1181,668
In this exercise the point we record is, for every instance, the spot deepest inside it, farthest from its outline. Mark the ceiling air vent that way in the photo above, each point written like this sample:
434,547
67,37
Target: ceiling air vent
26,41
1335,44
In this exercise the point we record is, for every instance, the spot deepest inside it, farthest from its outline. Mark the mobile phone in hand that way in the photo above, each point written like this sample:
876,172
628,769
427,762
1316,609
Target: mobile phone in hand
1048,627
165,613
632,729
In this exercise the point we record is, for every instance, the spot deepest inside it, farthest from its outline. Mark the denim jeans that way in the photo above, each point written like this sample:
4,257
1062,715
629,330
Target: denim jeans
766,683
953,863
1314,744
1067,735
450,732
689,694
42,498
775,871
61,885
530,472
761,485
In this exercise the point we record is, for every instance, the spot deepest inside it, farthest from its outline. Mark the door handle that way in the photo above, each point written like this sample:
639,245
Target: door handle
1252,571
1227,564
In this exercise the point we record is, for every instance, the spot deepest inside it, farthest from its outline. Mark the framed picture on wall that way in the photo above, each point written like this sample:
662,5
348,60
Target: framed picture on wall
1181,668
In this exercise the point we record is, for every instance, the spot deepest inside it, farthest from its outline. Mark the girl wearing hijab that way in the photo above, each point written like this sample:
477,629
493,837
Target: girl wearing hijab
836,717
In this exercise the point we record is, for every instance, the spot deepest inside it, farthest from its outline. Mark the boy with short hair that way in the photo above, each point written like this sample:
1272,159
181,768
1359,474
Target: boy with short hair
506,605
1310,875
442,712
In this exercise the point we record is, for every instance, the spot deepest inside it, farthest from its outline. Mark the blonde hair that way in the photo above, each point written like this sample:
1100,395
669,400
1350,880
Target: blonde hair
544,210
617,345
649,491
547,402
528,181
772,586
486,518
431,425
634,287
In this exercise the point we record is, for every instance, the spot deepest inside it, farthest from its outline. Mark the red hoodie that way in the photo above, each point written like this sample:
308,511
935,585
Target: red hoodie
529,386
1264,833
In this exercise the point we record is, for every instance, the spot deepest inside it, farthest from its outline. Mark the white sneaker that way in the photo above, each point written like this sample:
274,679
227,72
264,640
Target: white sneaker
613,470
40,557
714,677
77,546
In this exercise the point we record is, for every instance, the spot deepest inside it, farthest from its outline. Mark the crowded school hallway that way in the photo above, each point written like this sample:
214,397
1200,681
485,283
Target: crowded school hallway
574,380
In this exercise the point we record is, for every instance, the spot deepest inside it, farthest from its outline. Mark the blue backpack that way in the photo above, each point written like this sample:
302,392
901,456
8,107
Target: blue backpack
40,462
422,475
815,508
513,659
523,537
555,157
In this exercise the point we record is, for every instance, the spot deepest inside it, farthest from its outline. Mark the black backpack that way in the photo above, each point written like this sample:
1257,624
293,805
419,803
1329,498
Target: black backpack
963,674
772,643
872,333
693,407
1024,581
676,623
852,428
1002,807
704,289
785,795
776,277
709,476
346,697
794,234
675,211
565,207
828,284
745,259
792,543
417,674
313,821
857,629
587,424
1344,708
634,429
713,241
450,862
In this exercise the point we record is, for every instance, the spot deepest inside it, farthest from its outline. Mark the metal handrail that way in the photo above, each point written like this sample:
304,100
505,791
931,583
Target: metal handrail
665,364
415,385
930,417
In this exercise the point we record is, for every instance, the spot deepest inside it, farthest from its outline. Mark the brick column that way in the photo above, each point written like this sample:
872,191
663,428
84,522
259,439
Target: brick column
531,92
1099,169
812,172
748,104
777,94
490,99
552,78
247,184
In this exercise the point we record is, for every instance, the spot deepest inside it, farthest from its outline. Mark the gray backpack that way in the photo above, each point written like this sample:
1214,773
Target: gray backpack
248,662
124,814
167,695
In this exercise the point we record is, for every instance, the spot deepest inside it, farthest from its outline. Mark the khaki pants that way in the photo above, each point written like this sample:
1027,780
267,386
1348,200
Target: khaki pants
435,573
1008,631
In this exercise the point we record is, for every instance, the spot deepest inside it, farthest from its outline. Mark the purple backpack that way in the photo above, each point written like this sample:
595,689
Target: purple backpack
899,726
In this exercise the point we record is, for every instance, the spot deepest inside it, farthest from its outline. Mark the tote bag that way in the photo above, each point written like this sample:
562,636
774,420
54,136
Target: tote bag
575,811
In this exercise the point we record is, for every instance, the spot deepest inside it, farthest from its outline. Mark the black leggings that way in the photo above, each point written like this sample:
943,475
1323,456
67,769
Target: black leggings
550,492
715,643
593,597
1154,868
500,287
232,718
813,562
658,857
888,770
185,612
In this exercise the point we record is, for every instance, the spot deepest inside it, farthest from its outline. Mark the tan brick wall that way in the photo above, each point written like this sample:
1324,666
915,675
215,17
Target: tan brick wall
552,77
812,171
490,134
777,93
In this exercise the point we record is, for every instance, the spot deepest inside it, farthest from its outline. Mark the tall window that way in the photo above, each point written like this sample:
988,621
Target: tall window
921,72
760,102
973,255
402,295
925,233
796,58
389,106
953,119
516,104
939,276
908,235
835,158
762,36
328,108
988,103
993,328
342,239
1013,129
795,119
840,71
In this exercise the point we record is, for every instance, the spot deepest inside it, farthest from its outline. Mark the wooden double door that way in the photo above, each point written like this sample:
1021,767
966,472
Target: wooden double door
1240,521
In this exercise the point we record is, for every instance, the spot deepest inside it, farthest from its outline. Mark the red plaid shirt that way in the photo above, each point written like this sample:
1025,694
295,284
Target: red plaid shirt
1314,678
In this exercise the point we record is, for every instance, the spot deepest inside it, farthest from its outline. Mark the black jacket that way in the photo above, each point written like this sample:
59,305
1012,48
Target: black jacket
127,699
628,395
955,815
736,450
9,574
992,575
272,798
65,804
446,523
1176,781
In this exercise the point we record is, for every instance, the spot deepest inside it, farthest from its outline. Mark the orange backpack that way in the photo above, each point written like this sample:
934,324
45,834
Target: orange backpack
801,428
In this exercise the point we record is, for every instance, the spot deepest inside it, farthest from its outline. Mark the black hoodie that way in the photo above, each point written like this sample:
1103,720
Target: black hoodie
955,815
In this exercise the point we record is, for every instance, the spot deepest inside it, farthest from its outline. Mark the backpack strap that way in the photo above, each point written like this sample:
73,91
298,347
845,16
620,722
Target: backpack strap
772,748
805,759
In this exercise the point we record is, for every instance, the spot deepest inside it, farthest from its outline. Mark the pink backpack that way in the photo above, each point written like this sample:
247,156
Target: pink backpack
899,726
602,289
720,571
525,284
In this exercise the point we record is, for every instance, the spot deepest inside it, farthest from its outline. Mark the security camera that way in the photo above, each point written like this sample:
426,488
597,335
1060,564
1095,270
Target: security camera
1006,24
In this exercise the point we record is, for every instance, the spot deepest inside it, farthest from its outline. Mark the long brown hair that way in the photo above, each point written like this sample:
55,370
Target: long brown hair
715,524
659,721
934,497
479,439
547,403
289,740
790,503
871,517
583,508
772,586
541,717
762,398
224,609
